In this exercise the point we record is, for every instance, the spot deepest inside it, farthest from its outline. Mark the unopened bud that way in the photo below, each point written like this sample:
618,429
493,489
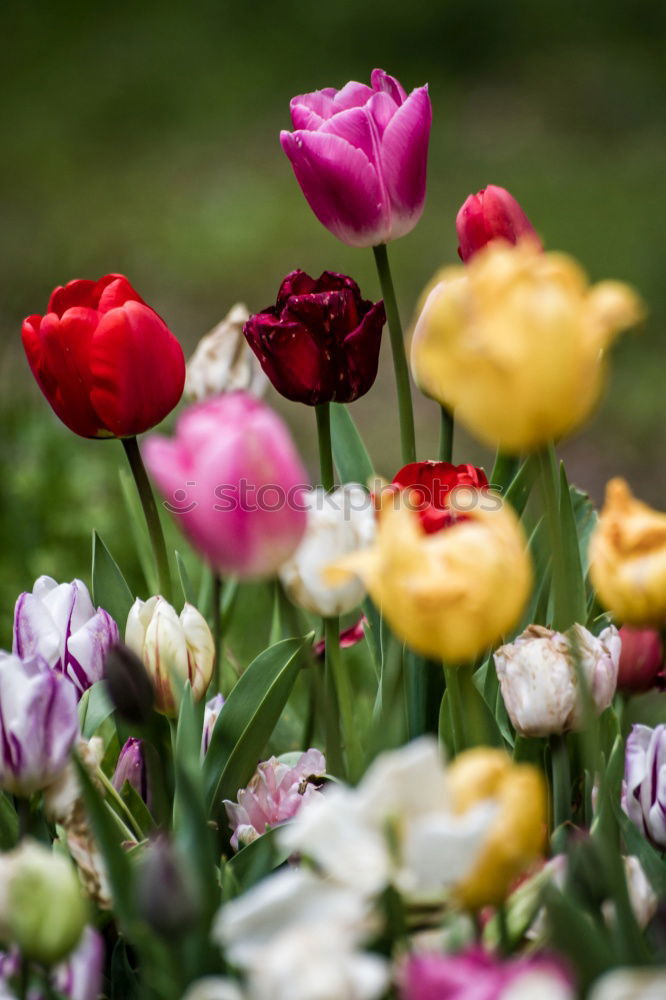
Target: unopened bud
165,895
128,685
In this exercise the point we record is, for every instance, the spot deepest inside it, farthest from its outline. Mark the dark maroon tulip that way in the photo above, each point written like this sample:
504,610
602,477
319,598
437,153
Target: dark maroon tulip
641,659
320,342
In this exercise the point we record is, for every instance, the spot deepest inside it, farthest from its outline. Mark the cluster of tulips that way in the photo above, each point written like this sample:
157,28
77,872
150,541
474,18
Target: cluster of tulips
427,786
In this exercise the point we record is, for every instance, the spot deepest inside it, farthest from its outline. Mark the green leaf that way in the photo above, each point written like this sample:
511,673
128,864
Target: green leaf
575,576
586,518
107,836
349,453
185,583
139,530
9,825
653,861
577,936
518,492
109,589
256,860
94,708
138,808
247,720
486,682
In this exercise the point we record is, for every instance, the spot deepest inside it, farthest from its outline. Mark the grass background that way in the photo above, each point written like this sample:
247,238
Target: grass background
143,138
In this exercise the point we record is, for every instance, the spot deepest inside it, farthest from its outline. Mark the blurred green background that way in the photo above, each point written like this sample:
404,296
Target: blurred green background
143,138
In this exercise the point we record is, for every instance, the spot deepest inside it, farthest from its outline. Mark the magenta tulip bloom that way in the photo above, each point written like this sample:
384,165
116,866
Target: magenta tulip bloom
58,622
476,975
39,724
233,480
492,214
360,157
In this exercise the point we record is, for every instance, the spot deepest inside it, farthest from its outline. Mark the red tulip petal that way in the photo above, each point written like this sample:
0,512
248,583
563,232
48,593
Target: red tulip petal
289,356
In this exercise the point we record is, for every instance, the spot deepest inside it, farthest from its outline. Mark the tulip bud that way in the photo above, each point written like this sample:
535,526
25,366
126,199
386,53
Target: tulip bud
360,157
174,649
539,682
492,214
516,341
132,768
106,362
644,781
641,659
165,896
223,361
59,623
42,909
348,637
452,593
128,685
232,478
211,714
39,724
628,558
339,523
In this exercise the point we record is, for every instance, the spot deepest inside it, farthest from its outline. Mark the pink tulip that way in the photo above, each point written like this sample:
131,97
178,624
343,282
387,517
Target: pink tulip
477,975
492,214
233,480
360,156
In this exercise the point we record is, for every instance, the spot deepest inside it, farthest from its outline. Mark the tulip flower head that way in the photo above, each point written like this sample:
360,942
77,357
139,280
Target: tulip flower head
360,156
211,715
439,490
39,724
539,682
320,342
133,769
628,558
492,214
339,523
451,593
58,623
174,648
223,362
515,837
274,795
645,780
515,343
106,362
232,479
641,659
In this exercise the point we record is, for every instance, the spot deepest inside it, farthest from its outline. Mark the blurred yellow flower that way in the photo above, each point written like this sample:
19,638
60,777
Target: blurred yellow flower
515,343
628,558
516,836
452,593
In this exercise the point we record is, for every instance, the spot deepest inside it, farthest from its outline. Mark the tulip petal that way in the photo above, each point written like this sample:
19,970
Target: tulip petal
138,369
361,351
383,82
341,186
58,352
87,649
35,631
319,102
404,159
352,95
355,125
382,109
288,355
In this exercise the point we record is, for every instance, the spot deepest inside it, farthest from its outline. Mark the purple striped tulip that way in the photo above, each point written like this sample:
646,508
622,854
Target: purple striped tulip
39,724
58,622
132,768
644,790
233,480
360,157
80,977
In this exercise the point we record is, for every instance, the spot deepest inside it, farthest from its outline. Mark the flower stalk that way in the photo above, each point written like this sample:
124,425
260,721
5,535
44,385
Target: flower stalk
131,446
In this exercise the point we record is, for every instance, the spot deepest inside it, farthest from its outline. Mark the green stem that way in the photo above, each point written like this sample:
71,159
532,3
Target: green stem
456,708
151,514
323,414
550,494
217,630
340,688
503,927
504,470
445,434
400,368
559,756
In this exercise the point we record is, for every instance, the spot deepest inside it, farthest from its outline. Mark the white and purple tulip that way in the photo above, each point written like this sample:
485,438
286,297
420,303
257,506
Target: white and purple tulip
59,623
644,789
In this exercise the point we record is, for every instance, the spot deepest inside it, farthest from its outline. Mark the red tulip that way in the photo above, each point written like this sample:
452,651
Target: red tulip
106,362
320,342
641,659
432,485
492,214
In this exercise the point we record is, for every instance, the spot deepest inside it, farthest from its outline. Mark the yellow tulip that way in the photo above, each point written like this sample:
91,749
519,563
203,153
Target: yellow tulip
516,836
628,558
515,343
452,593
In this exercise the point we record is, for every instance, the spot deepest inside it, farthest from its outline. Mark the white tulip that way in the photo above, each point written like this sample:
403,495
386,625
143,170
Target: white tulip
339,523
630,984
537,676
214,988
174,649
642,897
224,362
